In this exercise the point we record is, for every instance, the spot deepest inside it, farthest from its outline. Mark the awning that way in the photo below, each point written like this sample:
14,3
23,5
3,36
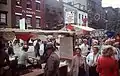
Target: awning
86,28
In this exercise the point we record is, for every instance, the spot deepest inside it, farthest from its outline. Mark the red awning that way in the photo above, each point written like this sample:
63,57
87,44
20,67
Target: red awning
24,37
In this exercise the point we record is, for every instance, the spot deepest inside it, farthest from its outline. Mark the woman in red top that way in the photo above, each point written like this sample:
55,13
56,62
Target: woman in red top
107,66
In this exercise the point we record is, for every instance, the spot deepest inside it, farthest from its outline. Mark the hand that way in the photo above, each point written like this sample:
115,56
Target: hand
6,67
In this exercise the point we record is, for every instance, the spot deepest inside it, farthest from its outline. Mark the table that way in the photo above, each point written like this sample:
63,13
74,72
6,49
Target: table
40,72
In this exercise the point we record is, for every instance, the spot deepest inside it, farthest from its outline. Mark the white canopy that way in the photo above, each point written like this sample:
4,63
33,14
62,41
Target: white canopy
33,30
84,27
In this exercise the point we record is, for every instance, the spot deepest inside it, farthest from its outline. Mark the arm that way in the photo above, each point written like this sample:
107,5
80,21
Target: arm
7,59
116,69
98,69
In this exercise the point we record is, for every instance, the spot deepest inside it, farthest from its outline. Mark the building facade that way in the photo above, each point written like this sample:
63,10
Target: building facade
75,12
73,15
96,14
112,18
31,10
5,13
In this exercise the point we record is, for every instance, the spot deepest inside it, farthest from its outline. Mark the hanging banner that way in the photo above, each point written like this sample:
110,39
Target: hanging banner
22,24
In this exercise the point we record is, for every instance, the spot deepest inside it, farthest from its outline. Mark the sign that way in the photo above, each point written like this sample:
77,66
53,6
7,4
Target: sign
69,17
22,24
66,47
97,17
98,33
28,12
9,35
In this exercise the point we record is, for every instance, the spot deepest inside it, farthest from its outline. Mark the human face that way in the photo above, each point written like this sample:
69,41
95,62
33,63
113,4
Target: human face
78,53
95,50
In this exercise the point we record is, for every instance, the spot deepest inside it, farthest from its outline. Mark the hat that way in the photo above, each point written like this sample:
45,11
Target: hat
96,46
50,45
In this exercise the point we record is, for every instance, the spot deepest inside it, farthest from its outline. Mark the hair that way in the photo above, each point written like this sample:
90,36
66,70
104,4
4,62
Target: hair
78,49
106,51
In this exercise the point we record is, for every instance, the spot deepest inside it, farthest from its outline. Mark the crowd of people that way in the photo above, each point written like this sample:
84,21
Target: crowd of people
92,57
17,57
100,58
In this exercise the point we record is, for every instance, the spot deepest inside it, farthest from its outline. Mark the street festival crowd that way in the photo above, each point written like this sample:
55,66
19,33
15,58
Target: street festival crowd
92,57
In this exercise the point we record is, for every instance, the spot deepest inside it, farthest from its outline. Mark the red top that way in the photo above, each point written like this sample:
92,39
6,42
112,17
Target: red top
107,66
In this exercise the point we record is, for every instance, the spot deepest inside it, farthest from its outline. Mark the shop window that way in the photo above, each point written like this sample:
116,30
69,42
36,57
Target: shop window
37,23
18,2
29,4
3,1
3,18
37,6
18,20
29,21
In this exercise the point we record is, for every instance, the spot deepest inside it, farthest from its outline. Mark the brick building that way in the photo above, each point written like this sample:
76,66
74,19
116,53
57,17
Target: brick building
11,11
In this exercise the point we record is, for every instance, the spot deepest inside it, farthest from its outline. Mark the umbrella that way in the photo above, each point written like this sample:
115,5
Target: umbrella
86,28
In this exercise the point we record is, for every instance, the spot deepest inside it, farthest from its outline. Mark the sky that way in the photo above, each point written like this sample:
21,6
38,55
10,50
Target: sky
113,3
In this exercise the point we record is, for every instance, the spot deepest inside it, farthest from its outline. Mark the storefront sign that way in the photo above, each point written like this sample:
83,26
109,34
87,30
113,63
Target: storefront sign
28,12
69,17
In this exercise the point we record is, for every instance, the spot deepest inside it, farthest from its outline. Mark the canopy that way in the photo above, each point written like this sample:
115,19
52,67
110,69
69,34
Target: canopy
34,30
86,28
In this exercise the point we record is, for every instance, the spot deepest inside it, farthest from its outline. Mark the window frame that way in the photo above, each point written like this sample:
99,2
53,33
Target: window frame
3,1
39,22
17,4
16,19
3,12
29,4
30,21
37,6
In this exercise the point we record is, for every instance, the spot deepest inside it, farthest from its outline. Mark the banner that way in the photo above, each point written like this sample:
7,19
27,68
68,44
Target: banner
22,24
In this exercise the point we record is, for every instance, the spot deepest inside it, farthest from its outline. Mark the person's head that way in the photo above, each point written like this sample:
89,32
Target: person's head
108,51
95,49
116,44
25,48
85,41
78,51
50,48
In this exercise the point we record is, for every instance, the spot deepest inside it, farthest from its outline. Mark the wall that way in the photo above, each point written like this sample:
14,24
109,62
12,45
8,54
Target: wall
7,8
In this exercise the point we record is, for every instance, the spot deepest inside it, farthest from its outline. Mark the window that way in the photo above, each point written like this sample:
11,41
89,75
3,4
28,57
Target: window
29,21
29,4
79,16
3,1
37,6
18,2
37,23
17,20
3,18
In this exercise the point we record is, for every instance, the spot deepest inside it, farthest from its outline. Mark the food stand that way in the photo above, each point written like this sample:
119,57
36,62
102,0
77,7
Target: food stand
63,54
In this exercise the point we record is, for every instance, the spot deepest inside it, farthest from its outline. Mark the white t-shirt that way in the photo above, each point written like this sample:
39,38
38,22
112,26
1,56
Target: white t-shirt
22,59
84,49
91,59
41,50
